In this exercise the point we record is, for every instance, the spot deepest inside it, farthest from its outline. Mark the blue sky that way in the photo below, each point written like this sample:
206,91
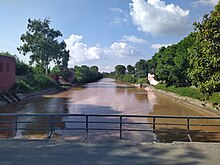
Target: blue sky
104,32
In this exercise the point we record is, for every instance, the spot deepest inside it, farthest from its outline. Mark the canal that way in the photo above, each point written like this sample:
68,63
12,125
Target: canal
107,97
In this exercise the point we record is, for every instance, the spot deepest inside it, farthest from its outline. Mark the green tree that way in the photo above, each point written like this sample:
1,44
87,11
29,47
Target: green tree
22,68
120,69
205,54
141,68
85,74
130,70
41,42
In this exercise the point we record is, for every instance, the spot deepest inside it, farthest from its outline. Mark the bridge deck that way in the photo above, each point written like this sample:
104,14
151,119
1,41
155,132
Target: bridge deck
117,153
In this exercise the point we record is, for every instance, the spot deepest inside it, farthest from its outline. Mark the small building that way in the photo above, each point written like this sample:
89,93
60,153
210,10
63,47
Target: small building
151,79
7,72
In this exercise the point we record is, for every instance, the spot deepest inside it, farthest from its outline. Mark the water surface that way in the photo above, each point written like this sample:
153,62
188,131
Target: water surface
107,97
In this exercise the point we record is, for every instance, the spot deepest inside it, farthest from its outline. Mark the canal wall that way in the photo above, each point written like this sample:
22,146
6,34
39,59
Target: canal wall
197,104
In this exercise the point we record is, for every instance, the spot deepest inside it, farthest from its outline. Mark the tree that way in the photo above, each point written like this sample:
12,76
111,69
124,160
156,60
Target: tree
141,68
41,42
85,74
120,69
130,69
205,54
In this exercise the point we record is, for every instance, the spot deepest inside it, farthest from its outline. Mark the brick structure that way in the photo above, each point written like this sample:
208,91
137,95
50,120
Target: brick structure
7,72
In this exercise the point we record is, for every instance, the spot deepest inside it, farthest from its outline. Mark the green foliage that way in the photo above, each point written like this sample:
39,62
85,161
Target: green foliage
24,87
84,74
126,78
130,70
204,56
38,69
171,64
7,54
182,91
142,81
35,82
22,69
215,98
120,69
141,68
41,41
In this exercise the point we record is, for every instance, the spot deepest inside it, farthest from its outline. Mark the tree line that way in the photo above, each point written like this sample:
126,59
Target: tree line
40,42
195,60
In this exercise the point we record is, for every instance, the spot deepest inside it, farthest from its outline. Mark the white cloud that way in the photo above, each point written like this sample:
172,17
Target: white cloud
155,17
117,10
121,16
205,2
119,21
158,46
120,50
80,52
107,68
133,39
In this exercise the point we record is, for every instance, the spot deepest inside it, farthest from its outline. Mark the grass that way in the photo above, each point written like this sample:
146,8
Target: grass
215,98
182,91
190,92
34,82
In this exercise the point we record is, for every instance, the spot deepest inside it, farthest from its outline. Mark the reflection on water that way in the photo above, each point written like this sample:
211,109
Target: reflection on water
103,97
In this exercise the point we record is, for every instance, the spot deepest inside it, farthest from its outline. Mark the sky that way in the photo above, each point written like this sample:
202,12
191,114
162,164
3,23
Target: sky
104,33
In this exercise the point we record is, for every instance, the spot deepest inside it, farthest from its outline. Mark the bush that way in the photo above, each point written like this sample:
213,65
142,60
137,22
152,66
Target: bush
182,91
42,81
24,87
36,82
142,81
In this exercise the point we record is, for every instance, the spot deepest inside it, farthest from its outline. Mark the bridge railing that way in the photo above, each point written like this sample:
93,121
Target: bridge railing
14,124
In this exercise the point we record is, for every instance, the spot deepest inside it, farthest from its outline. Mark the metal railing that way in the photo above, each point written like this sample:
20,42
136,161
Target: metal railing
121,123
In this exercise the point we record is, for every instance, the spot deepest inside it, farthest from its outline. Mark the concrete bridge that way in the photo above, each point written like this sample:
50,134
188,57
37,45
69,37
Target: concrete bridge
36,152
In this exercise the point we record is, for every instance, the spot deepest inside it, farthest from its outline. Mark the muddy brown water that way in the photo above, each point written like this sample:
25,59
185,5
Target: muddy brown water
107,97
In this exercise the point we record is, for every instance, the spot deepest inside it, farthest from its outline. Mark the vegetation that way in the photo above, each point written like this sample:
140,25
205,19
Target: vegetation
34,82
191,92
194,61
204,55
85,74
130,74
41,41
171,64
182,91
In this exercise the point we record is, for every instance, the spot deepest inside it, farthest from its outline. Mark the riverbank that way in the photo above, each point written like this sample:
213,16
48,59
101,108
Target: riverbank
117,153
202,105
26,96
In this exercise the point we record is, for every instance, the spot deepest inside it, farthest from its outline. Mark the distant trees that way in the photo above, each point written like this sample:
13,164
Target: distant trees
130,70
141,68
41,42
131,74
120,69
84,74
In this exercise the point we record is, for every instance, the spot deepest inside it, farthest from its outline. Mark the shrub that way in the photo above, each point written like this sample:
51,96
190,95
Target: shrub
24,87
142,81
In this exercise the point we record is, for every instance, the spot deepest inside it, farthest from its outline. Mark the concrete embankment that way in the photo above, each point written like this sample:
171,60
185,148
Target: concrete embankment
100,153
197,104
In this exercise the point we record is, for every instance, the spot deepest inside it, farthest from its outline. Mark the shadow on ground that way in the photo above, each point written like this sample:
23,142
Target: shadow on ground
84,153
